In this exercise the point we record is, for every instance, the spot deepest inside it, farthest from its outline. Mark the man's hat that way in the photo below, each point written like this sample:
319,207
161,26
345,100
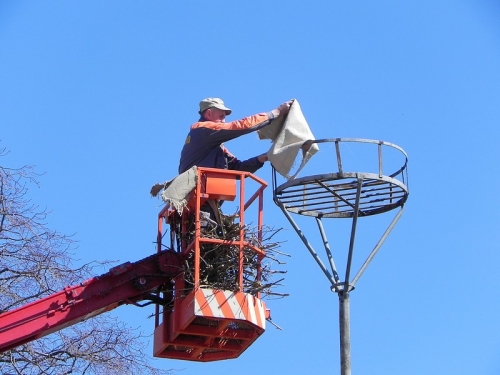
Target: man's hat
213,103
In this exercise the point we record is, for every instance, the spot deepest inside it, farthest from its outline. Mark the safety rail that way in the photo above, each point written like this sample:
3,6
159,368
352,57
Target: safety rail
204,323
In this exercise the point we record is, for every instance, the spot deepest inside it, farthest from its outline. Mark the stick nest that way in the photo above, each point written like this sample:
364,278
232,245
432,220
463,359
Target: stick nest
219,262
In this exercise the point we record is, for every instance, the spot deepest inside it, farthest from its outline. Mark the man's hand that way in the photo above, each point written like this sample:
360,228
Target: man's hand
262,158
282,109
306,146
285,107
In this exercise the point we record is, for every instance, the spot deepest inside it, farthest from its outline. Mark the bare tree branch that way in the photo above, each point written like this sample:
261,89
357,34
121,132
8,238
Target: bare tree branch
36,261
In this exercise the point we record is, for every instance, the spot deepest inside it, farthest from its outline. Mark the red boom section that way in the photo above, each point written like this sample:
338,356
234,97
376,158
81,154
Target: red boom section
128,283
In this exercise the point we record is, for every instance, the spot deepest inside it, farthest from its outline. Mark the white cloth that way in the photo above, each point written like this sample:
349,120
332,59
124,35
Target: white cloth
288,134
177,190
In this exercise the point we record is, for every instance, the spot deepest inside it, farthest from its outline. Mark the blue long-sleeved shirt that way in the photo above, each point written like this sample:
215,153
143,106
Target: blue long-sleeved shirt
204,143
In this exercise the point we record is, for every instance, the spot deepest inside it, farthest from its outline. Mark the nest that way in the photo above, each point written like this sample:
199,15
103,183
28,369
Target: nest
219,263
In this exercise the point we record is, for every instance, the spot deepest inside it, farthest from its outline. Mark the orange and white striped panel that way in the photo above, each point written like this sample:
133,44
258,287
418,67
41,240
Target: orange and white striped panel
230,305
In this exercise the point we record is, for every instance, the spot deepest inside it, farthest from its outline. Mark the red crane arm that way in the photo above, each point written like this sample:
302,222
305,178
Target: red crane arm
128,283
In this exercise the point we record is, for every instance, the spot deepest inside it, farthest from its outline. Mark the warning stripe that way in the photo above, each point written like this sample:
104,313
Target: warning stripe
230,305
251,310
224,304
257,310
202,307
261,313
233,303
213,303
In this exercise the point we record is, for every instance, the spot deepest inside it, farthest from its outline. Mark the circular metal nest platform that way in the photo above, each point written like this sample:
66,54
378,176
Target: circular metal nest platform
342,194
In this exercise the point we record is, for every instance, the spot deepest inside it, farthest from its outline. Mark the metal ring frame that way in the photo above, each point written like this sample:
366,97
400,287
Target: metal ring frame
344,195
336,195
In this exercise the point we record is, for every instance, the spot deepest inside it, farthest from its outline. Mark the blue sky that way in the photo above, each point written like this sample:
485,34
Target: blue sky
99,96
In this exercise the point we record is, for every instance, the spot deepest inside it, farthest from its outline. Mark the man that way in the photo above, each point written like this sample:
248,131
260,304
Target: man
204,143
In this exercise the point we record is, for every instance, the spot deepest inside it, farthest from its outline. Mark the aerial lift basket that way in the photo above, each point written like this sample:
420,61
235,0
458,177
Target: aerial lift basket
203,323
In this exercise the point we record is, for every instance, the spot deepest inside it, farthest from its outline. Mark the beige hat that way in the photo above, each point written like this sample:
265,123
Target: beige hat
213,103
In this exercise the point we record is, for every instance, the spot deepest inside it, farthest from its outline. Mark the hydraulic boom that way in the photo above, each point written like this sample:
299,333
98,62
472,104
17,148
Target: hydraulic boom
129,283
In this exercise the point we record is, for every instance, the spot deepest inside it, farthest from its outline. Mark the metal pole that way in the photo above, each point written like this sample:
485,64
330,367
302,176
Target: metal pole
345,332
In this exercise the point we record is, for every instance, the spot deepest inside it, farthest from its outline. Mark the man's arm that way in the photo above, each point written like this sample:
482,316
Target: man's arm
251,165
223,132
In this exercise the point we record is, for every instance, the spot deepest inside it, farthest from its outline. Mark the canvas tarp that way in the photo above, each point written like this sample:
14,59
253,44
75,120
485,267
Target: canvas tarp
289,134
176,191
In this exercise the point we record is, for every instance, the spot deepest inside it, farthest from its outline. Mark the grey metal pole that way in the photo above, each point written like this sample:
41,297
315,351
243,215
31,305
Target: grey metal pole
345,332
